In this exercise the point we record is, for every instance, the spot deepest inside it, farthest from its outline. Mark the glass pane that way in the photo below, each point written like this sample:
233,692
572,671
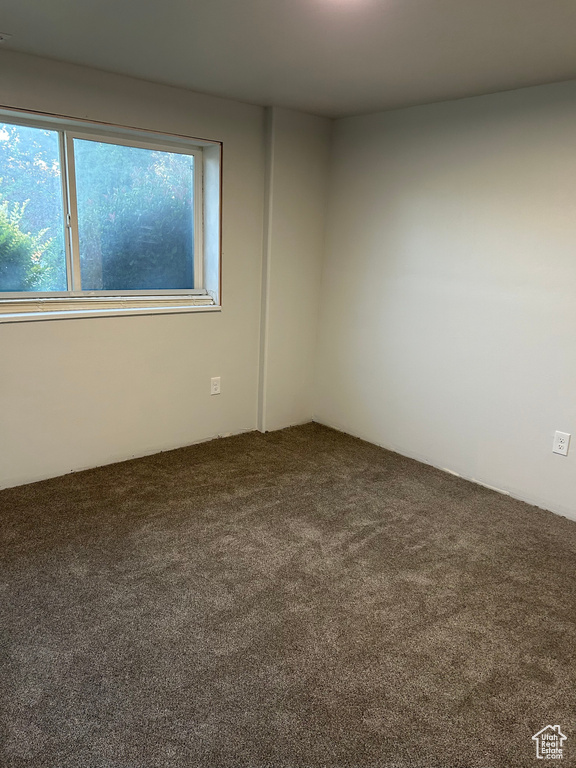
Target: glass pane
32,252
135,217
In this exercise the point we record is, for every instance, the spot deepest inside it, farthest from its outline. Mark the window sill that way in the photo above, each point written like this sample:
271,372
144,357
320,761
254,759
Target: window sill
19,310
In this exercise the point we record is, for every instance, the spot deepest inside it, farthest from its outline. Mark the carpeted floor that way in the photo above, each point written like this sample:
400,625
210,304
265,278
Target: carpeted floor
291,600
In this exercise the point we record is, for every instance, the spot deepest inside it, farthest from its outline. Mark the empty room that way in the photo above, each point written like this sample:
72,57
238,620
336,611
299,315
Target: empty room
287,384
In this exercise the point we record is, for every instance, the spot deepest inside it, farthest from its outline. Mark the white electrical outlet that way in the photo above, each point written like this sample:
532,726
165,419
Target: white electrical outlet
215,385
561,443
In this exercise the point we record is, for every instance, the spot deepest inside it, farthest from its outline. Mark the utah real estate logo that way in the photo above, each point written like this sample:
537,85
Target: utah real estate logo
549,743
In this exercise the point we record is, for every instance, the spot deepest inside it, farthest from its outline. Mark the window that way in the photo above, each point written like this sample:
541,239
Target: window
99,220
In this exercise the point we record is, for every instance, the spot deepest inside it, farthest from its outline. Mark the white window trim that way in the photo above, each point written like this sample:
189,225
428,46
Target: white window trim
74,303
14,310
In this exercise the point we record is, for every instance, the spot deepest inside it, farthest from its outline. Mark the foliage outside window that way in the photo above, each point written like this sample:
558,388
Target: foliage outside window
92,213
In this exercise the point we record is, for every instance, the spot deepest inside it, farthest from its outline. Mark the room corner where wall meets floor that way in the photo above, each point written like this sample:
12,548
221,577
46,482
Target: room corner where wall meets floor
450,247
78,393
395,275
518,495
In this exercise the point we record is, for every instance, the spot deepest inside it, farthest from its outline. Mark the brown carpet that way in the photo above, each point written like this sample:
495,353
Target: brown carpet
294,600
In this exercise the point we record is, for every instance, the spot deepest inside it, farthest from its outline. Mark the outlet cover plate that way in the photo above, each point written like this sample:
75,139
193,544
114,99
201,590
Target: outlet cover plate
561,443
215,385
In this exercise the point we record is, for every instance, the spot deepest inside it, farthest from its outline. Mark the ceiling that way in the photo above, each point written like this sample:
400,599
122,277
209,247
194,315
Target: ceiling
330,57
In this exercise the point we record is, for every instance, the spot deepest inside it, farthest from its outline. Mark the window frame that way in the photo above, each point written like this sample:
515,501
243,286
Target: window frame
77,302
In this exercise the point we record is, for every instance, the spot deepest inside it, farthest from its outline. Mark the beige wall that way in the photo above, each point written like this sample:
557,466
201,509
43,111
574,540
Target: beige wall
448,311
78,393
84,392
297,171
448,328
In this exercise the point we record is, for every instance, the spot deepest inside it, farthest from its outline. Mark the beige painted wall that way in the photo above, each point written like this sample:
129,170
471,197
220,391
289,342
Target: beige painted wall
448,309
79,393
298,147
448,323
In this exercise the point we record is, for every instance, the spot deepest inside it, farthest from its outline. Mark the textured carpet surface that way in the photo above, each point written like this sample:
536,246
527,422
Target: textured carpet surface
291,600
